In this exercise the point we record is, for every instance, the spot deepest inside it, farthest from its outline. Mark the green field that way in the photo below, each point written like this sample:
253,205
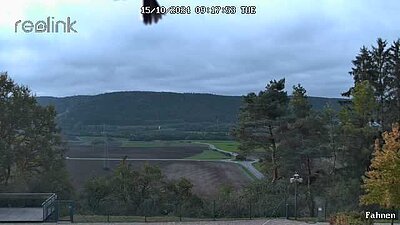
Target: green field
153,144
124,142
230,146
209,155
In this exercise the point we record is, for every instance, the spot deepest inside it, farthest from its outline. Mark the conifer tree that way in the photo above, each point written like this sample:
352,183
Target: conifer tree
260,119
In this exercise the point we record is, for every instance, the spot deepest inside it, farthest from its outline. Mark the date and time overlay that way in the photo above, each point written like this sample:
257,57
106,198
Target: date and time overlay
200,10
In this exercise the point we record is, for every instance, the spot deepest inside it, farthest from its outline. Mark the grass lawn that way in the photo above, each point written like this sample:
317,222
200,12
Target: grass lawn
230,146
209,155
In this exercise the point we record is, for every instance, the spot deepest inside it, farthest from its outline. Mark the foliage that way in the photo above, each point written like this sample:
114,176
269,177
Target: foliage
349,218
31,150
260,119
380,67
382,181
304,142
357,131
142,192
144,108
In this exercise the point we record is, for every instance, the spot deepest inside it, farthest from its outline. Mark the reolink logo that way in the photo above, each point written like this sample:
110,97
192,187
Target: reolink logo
48,26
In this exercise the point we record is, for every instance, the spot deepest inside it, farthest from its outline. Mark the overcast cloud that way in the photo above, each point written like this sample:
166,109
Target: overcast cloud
307,42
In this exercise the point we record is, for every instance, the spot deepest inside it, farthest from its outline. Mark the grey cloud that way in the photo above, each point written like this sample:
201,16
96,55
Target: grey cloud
231,55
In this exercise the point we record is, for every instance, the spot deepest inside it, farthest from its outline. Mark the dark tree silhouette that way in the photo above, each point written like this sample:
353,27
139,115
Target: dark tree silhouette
154,17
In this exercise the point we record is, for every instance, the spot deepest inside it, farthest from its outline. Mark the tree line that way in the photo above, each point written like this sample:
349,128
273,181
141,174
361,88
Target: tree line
331,150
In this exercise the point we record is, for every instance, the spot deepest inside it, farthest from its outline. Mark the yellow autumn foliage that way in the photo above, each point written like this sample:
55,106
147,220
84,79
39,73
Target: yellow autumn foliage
382,181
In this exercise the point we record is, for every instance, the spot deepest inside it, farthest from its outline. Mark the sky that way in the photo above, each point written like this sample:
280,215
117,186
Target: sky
311,42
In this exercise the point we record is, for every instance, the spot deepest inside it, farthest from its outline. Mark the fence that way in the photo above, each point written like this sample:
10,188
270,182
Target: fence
153,211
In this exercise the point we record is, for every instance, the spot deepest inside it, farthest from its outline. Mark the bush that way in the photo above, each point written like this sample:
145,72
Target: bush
240,157
349,218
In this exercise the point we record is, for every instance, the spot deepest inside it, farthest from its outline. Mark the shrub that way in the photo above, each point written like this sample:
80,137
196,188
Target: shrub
349,218
241,157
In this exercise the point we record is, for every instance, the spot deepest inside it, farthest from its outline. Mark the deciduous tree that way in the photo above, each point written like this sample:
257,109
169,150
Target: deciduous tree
30,142
382,181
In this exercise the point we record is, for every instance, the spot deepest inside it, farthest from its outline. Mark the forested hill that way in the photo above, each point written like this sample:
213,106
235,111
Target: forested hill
151,108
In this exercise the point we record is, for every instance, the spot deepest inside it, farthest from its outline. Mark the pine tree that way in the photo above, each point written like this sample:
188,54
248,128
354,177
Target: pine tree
377,66
380,62
394,82
304,142
259,121
357,133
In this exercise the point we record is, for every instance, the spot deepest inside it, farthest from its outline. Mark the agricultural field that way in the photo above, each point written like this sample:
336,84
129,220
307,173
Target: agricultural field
207,177
205,168
167,152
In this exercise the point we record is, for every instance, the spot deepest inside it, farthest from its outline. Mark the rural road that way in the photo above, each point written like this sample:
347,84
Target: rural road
247,164
212,147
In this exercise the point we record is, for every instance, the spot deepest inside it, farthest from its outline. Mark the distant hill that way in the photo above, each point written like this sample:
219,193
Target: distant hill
152,108
141,108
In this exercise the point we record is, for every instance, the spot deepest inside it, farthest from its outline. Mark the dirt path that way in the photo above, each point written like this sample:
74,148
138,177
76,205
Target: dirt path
246,164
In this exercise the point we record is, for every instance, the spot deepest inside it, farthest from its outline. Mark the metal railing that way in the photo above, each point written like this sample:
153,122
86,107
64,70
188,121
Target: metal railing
48,206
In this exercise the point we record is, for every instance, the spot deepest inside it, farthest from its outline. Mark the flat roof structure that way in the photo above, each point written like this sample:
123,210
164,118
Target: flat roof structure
26,207
21,214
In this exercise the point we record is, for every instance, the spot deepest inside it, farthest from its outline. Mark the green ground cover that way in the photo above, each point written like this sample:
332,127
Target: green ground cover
258,166
209,155
230,146
153,144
